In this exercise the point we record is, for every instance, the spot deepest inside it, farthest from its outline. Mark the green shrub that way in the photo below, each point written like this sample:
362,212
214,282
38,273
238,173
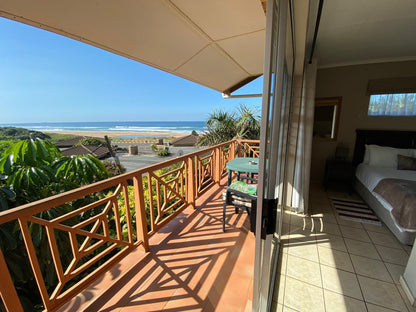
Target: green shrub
112,167
90,141
162,153
56,137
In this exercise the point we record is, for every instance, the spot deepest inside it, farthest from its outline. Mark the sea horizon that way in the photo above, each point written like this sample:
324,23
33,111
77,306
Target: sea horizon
185,127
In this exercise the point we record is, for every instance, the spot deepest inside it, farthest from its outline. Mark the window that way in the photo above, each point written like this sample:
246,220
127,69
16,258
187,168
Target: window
400,104
392,96
326,118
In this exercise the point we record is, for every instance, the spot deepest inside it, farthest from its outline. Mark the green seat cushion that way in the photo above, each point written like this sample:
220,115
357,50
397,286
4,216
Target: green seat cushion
250,189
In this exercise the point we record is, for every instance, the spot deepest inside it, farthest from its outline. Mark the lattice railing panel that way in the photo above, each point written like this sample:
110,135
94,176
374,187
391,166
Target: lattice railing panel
67,244
167,193
249,148
204,172
226,155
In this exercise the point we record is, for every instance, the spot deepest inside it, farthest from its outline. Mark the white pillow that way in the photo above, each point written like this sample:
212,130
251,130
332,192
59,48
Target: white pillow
383,156
368,148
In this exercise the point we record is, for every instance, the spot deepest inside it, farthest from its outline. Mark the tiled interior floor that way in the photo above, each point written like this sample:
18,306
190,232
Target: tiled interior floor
329,264
192,266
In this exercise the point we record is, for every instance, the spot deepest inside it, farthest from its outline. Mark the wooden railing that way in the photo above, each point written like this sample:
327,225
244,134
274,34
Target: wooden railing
248,148
87,230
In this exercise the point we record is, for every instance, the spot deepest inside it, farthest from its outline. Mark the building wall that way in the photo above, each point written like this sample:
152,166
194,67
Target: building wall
350,82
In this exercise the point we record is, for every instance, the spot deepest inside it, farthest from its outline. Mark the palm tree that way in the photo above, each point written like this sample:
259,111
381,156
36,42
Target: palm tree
248,124
220,128
223,126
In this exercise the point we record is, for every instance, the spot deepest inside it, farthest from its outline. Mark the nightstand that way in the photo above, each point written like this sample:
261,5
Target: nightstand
339,173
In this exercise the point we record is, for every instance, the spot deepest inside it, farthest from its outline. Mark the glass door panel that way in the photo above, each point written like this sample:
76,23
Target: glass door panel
276,102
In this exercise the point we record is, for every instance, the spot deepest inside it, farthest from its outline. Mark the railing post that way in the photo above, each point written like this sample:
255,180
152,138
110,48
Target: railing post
7,291
34,263
217,177
190,182
238,148
141,223
232,151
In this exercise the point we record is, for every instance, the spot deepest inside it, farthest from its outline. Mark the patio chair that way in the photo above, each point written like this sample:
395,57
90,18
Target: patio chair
243,196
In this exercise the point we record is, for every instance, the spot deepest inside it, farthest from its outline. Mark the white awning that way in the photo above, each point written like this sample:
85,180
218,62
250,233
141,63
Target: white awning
215,43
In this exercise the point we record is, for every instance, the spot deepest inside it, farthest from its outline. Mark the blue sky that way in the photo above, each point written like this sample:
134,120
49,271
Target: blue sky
46,77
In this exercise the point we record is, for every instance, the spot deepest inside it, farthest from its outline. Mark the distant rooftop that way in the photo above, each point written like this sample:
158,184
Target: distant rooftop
189,140
68,143
99,152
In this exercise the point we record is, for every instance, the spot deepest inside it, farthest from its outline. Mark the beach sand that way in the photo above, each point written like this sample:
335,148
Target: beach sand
115,134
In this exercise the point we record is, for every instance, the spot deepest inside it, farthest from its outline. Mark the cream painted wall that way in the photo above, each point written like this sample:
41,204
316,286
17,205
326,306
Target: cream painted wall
350,82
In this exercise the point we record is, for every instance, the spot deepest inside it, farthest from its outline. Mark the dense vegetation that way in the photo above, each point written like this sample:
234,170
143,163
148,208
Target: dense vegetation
56,137
90,141
35,169
31,170
5,145
13,133
223,126
161,151
9,135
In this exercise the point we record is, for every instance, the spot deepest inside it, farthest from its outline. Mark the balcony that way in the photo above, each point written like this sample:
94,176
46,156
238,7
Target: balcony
169,252
142,224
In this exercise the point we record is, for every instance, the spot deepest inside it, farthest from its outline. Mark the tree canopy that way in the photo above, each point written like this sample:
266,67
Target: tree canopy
223,126
35,169
90,141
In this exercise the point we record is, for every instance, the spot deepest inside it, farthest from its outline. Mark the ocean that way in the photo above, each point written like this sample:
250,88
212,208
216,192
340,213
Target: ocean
185,127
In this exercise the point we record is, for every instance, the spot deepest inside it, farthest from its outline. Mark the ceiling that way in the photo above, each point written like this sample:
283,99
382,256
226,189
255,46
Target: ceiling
220,44
369,31
214,43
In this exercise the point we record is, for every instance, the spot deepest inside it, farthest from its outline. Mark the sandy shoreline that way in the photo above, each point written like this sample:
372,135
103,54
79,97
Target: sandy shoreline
115,134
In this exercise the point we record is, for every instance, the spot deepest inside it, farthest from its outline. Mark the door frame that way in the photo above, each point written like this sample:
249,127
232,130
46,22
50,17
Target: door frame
267,247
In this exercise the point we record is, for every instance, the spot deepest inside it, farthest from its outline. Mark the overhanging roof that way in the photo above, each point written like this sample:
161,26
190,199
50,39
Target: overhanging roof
214,43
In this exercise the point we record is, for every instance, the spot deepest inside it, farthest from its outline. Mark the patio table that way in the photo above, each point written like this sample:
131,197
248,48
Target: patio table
242,164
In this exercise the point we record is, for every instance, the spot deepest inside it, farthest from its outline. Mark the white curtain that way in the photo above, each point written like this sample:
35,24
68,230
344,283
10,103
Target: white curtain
303,138
403,104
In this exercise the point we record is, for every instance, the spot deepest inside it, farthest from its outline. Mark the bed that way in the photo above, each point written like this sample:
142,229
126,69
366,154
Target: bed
372,173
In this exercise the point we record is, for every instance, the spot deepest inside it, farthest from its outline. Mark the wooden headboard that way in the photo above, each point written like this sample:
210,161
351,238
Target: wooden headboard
393,138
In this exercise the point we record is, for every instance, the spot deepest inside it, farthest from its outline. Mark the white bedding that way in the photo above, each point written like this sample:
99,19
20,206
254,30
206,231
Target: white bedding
369,176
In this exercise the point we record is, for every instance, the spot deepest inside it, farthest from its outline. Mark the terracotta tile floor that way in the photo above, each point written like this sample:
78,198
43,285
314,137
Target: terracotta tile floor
326,264
192,266
329,264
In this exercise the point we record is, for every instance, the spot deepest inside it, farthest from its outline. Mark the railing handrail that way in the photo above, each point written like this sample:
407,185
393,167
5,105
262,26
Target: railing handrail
61,198
247,141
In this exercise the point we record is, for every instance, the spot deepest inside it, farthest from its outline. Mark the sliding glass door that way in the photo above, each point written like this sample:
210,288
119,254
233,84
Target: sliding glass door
277,90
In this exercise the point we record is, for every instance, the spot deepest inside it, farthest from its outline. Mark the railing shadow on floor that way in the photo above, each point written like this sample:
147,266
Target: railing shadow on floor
189,268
